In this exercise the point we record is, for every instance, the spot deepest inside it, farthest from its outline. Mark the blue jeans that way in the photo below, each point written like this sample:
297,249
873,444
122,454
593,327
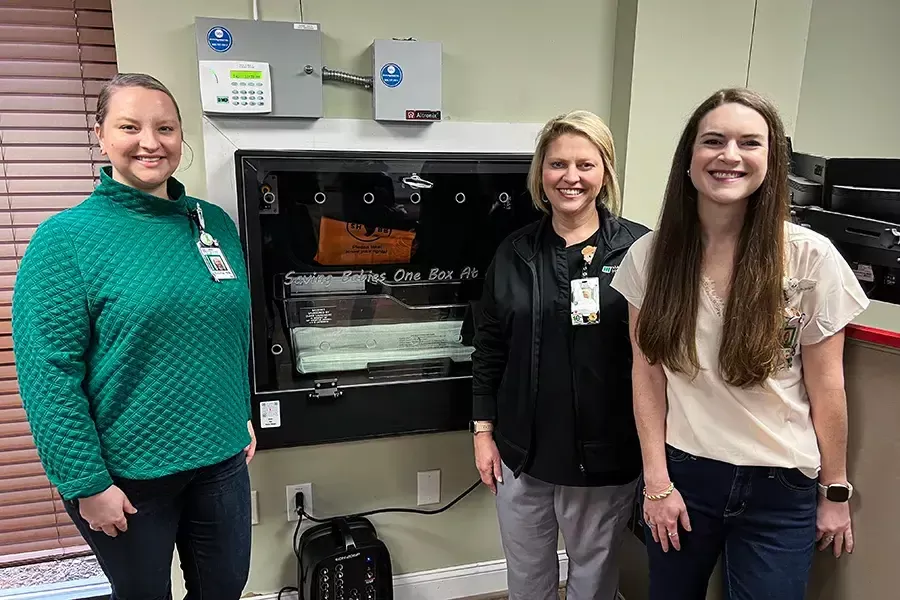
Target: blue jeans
762,518
205,512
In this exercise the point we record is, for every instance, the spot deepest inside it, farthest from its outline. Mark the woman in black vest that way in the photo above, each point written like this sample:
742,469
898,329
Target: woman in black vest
554,430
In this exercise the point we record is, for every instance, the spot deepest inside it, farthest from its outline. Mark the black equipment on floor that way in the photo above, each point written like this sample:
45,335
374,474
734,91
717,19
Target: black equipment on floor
343,559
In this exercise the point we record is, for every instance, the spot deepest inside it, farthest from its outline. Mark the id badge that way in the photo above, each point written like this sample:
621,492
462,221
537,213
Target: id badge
585,296
216,262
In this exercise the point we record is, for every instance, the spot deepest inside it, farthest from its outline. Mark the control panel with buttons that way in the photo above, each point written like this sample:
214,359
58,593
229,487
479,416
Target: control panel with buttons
235,87
351,577
343,560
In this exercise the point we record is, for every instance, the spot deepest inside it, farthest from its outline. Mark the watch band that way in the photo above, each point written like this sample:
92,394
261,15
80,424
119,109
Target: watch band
481,426
836,492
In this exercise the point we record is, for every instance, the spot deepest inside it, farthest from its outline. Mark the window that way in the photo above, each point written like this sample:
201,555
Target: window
54,57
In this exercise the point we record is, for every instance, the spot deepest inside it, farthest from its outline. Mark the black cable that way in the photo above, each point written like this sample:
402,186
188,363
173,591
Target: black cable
418,511
288,588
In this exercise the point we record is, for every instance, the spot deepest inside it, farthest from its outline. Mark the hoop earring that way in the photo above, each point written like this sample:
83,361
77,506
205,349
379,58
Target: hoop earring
190,162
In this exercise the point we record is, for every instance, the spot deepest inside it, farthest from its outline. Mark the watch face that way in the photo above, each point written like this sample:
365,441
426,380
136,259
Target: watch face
837,493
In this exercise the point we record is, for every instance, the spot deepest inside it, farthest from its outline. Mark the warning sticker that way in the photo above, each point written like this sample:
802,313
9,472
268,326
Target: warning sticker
270,414
864,272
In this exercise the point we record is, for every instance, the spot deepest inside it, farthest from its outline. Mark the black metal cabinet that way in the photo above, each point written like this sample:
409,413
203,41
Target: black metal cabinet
365,269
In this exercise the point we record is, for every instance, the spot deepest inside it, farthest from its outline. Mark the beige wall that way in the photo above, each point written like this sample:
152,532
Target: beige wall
645,79
850,96
681,54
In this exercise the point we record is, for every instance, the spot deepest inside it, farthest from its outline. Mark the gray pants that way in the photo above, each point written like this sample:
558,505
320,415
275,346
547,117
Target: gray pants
593,521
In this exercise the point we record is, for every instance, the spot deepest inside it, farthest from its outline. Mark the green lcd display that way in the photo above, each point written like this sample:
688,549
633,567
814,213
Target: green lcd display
246,74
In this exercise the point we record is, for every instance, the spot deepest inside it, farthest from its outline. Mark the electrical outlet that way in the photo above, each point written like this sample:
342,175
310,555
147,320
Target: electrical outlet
290,493
429,487
254,507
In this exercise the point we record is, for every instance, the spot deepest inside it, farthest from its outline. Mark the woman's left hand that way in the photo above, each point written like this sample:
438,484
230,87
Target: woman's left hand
833,526
250,450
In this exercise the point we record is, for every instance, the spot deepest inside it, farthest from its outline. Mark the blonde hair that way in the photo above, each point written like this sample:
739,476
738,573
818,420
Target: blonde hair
592,127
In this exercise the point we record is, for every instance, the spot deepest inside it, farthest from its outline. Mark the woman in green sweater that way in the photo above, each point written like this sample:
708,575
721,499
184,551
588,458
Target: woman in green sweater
131,330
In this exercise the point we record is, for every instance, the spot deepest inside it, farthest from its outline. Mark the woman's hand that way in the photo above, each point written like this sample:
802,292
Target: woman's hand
106,511
487,460
833,526
663,517
250,450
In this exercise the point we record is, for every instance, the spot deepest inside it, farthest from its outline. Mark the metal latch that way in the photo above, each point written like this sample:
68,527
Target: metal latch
326,389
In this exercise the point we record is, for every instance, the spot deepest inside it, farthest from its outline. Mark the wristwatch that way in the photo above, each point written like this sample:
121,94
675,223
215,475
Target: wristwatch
836,492
481,426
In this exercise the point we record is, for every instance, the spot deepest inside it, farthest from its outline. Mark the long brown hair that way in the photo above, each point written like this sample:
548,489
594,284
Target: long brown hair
751,347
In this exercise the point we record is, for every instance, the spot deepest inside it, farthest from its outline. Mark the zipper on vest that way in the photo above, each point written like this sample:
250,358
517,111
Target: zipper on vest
579,442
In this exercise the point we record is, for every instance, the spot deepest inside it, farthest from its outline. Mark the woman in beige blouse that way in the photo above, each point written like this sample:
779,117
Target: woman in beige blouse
737,320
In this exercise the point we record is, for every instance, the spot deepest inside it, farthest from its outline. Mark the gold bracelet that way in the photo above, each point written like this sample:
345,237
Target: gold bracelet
663,494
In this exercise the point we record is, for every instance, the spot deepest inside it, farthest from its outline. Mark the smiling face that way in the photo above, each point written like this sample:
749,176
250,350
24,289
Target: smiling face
730,154
141,135
572,174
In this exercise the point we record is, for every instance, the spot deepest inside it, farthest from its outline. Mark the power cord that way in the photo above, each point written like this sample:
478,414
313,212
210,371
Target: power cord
301,512
298,500
287,589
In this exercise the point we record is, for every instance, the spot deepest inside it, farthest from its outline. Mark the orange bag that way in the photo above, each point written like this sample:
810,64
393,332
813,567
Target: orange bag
343,243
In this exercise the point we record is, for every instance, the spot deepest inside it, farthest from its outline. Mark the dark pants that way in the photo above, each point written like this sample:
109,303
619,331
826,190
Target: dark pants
762,518
205,511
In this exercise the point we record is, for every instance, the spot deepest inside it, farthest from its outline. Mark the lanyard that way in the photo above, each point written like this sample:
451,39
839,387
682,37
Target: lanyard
206,239
209,250
587,254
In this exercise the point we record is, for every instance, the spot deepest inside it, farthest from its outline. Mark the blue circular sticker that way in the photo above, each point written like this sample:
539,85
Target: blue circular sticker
219,39
391,75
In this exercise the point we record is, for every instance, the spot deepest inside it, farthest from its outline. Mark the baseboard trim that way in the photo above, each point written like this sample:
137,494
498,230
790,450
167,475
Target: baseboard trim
449,583
95,587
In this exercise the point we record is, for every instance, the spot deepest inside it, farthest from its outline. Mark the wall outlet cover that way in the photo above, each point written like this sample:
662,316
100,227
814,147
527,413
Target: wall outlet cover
290,493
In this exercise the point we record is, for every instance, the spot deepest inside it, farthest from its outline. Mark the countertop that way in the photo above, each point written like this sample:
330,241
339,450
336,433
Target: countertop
879,324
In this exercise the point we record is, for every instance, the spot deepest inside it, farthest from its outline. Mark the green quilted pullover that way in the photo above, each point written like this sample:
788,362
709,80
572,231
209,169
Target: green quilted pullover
132,361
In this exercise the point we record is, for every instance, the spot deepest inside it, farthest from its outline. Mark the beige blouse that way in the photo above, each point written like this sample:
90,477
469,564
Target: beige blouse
768,425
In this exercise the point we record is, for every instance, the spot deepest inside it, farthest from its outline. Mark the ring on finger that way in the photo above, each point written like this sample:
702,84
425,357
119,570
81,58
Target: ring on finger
673,533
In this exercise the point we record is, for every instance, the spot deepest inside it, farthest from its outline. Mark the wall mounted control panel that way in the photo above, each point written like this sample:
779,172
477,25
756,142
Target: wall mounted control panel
285,57
235,86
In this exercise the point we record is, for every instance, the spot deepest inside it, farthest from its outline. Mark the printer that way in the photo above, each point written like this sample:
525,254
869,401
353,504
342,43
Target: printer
855,202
